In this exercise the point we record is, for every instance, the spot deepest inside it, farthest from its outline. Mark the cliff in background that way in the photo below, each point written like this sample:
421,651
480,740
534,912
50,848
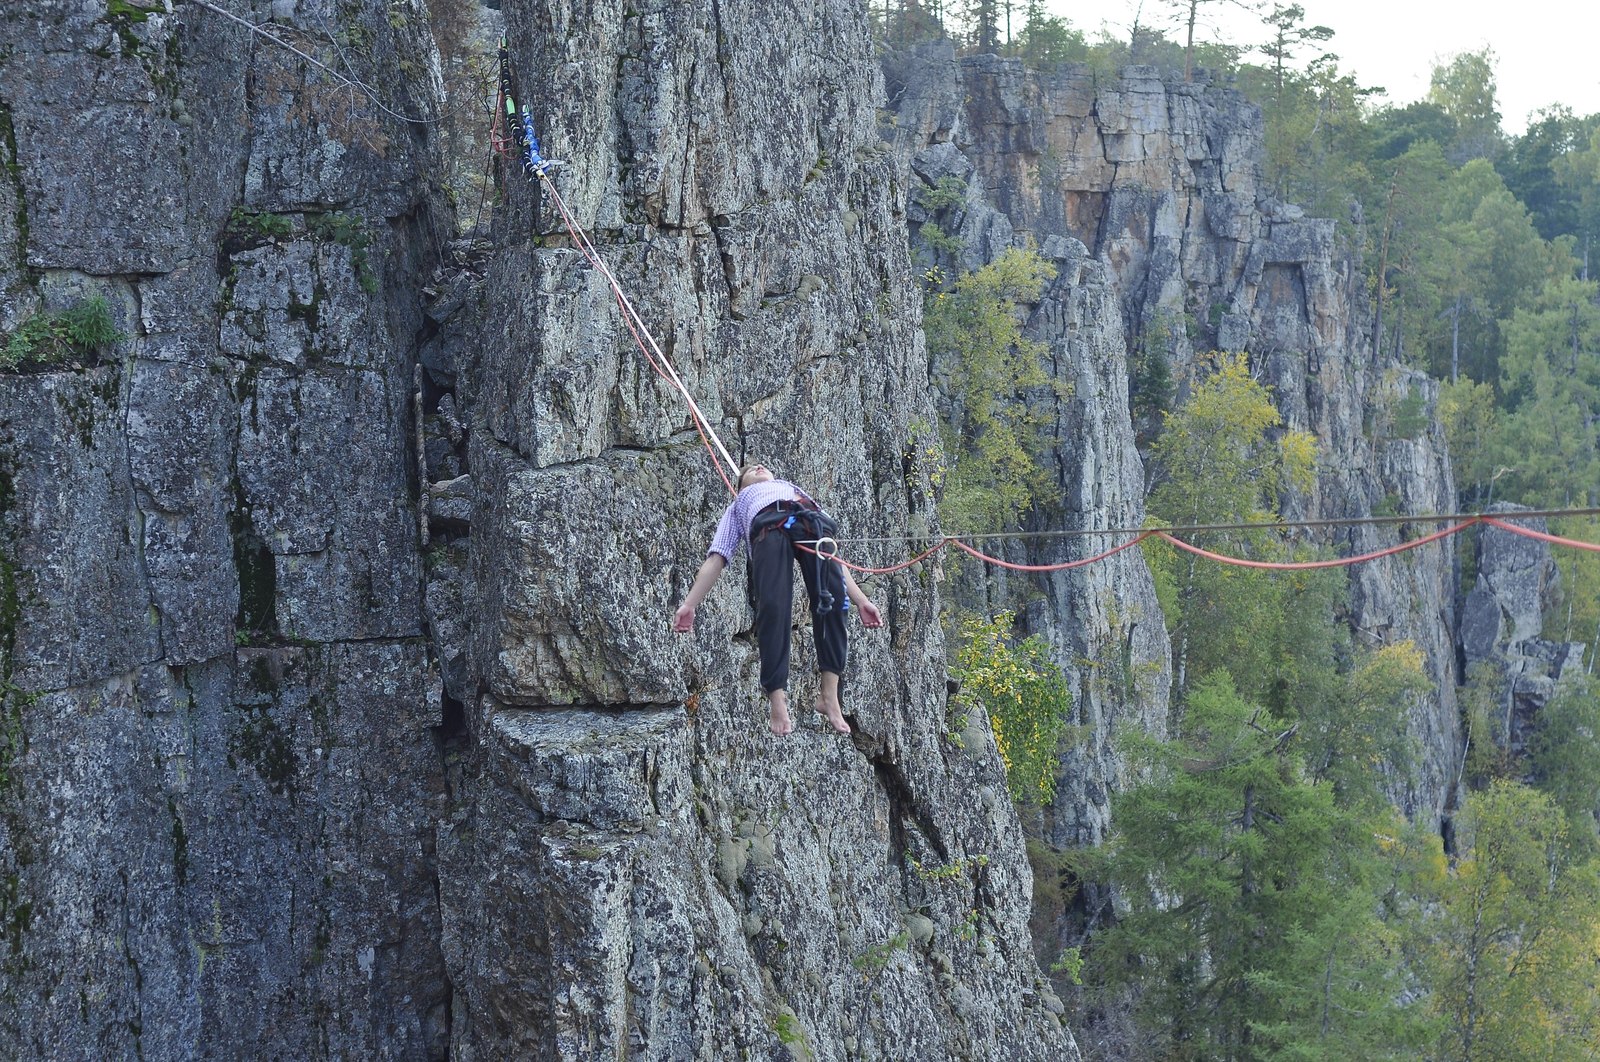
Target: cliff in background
1156,181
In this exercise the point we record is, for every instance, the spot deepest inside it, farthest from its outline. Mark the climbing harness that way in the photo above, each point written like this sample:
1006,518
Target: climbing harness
514,138
819,547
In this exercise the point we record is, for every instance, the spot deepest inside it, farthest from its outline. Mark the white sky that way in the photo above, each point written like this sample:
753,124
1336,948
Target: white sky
1545,49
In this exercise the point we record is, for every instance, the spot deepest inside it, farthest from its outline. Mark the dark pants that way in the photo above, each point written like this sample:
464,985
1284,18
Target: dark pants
772,555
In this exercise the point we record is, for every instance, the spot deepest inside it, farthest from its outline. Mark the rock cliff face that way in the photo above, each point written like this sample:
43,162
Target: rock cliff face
637,865
1502,644
219,761
1158,180
277,781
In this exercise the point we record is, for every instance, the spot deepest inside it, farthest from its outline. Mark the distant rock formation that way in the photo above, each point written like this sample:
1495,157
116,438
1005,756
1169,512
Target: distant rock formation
1502,640
1158,180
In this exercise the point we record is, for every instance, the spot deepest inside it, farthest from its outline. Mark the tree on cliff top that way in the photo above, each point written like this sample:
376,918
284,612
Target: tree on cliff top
1187,14
994,430
1465,89
1289,34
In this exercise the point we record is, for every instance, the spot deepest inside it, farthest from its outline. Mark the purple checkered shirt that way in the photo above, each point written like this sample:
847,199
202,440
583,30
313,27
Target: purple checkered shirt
735,522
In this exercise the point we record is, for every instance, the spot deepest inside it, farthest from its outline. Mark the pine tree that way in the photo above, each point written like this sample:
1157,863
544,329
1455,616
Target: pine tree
1251,927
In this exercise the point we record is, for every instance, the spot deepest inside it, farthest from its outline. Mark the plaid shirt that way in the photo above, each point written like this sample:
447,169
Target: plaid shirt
735,523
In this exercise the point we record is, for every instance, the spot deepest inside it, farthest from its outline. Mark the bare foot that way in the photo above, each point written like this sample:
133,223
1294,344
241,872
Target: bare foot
828,708
778,713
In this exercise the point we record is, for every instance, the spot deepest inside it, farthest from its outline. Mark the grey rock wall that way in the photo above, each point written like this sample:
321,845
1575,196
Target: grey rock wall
219,768
1502,642
278,780
636,865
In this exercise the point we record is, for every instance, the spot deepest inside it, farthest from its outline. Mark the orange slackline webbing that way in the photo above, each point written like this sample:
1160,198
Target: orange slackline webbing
1528,532
1338,562
1241,562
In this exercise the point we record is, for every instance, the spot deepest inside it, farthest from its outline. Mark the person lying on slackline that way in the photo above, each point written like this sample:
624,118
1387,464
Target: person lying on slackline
775,516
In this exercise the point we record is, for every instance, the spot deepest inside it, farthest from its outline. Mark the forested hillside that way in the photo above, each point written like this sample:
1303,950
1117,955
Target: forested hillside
1264,889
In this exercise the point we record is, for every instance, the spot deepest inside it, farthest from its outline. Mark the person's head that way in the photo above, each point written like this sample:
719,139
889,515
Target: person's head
755,472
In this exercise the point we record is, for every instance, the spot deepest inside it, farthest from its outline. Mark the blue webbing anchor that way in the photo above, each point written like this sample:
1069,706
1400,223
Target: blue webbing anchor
533,163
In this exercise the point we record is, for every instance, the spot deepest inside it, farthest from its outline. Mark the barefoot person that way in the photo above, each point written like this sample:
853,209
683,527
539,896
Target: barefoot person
774,515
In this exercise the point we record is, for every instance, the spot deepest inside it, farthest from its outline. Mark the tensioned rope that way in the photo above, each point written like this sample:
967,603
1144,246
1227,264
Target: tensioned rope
1169,535
1242,562
520,132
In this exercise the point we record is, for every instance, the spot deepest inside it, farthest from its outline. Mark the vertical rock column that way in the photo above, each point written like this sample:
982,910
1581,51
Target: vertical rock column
640,866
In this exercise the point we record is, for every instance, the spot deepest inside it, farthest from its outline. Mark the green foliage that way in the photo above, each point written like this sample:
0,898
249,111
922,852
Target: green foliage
1268,890
1222,458
1047,38
1410,416
1467,411
1565,755
348,231
1025,696
1548,432
1549,169
954,872
788,1029
1070,964
260,225
875,958
1149,366
1575,615
994,433
1397,130
1219,457
1484,257
1465,89
901,25
84,328
937,240
950,191
1252,927
1289,34
1150,383
1356,734
1316,133
1511,951
1488,727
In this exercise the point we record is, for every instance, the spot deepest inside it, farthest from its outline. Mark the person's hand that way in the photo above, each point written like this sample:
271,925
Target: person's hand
683,619
870,616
